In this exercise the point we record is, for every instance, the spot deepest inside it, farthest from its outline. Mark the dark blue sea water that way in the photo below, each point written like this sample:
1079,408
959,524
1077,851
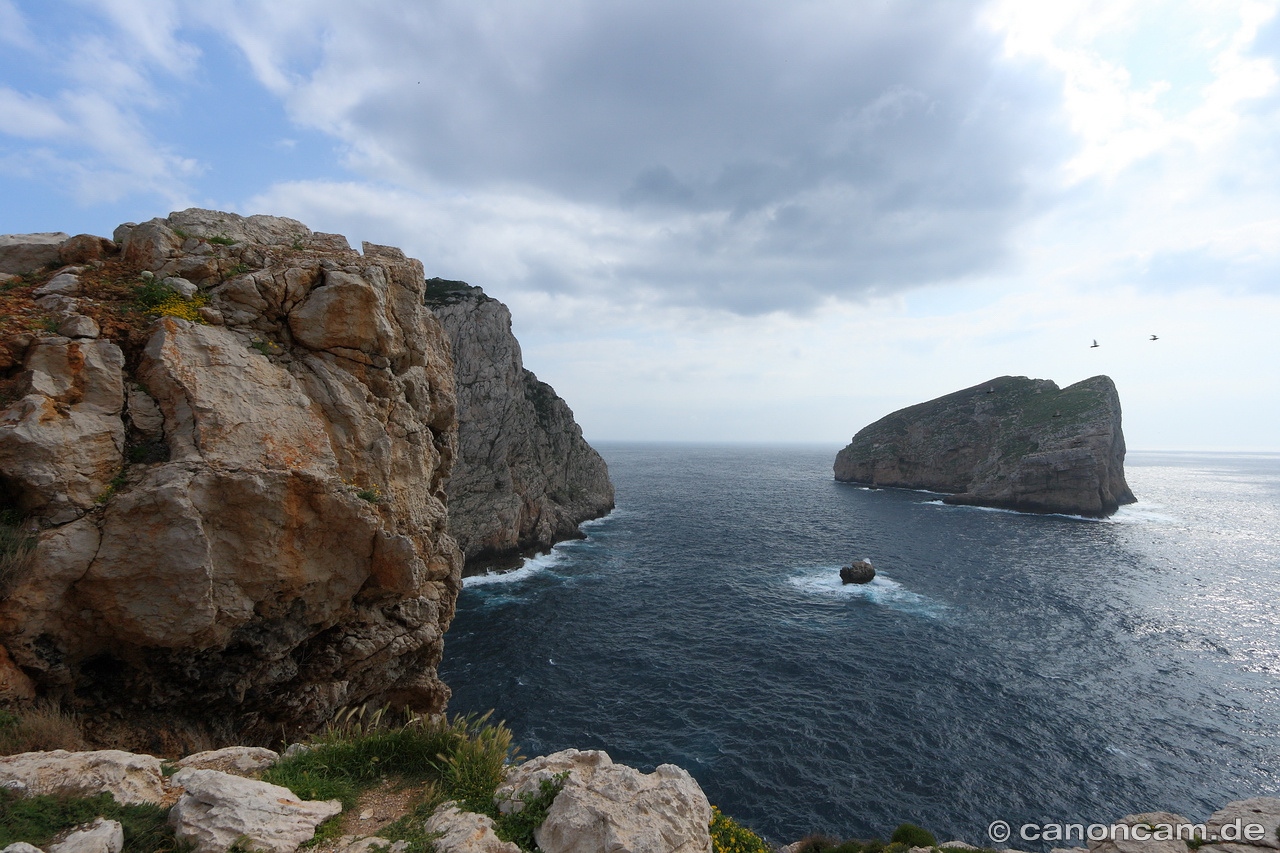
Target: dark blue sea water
1002,666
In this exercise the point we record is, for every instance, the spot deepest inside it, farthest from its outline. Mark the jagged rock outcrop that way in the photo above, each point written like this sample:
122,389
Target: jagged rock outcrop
241,514
524,478
1013,442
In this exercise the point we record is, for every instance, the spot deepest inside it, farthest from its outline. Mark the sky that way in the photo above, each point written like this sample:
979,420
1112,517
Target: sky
724,220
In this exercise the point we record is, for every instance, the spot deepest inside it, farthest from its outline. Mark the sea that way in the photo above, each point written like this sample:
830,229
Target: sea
1033,669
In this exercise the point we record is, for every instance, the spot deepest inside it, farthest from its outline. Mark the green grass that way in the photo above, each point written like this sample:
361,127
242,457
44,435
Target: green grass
221,240
463,758
36,820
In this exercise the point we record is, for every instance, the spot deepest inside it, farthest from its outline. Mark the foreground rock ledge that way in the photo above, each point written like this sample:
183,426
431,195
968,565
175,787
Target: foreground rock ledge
1013,443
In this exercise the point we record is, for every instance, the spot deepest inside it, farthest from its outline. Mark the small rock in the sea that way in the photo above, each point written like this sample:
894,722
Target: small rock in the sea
860,572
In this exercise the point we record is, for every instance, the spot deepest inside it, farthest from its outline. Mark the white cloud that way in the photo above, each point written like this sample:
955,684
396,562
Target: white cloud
13,26
30,117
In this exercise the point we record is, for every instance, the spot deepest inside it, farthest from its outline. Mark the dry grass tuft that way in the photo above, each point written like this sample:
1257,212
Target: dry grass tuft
41,726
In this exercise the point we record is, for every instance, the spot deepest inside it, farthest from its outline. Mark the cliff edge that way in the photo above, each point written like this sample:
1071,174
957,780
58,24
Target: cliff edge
1014,443
524,477
230,437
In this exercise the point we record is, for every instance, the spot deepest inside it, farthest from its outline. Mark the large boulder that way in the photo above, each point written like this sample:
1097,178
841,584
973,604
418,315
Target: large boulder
525,477
24,253
99,836
236,760
607,806
465,832
128,777
1013,442
219,810
860,571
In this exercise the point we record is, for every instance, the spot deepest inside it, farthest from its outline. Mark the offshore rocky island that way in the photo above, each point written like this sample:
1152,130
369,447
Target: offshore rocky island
1012,443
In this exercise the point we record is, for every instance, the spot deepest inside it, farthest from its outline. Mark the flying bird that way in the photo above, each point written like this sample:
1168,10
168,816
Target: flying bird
1095,343
1155,337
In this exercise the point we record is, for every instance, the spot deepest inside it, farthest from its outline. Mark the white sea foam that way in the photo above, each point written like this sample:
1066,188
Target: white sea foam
882,590
596,522
1131,514
1141,513
530,567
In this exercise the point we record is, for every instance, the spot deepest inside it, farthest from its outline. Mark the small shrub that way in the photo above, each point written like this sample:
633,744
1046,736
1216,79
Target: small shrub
238,269
816,844
299,243
373,493
221,240
41,727
913,836
728,836
475,767
115,485
157,298
517,827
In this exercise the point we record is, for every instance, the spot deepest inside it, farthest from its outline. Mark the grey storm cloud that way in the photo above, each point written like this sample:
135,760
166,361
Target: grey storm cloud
771,154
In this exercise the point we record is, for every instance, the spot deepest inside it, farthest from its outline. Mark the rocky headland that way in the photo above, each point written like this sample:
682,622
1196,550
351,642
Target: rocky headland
1013,443
523,478
228,441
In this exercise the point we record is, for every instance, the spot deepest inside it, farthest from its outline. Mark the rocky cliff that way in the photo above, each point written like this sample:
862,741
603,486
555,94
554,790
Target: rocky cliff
1013,442
231,438
524,477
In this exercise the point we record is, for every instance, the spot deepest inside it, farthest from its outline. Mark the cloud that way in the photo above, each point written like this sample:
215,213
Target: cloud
745,155
91,92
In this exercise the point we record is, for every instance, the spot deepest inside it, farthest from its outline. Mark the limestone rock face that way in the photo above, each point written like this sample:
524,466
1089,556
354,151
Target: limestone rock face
1013,442
525,478
607,806
1228,822
218,810
242,527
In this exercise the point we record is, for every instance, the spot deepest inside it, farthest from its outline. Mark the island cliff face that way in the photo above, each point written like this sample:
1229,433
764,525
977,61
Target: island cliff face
524,477
1013,442
241,515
